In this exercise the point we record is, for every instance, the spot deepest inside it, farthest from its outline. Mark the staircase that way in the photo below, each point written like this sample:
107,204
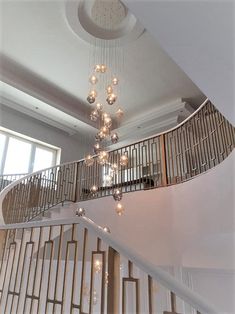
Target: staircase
72,265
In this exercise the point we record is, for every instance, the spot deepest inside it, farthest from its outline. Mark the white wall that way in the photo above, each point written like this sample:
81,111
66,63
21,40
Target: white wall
190,224
217,285
71,147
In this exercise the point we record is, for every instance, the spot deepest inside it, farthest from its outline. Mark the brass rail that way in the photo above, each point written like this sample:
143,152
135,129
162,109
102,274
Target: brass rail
76,267
195,146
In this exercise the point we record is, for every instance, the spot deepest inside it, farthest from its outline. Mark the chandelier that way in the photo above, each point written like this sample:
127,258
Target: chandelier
104,91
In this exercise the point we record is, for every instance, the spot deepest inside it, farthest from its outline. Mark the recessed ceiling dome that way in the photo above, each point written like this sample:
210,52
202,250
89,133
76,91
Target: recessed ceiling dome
108,14
106,20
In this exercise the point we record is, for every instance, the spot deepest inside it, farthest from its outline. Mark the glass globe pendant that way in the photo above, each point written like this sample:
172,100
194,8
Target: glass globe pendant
93,93
119,113
103,157
97,148
93,79
90,99
105,116
124,160
114,138
100,136
119,209
97,68
94,190
99,107
107,122
105,130
117,194
115,81
109,89
103,68
94,115
111,99
80,212
108,180
89,160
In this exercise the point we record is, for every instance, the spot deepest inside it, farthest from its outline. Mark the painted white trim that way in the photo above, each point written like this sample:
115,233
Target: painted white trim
181,290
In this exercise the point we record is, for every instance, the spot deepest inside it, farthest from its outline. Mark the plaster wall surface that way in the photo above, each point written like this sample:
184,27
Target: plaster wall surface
72,148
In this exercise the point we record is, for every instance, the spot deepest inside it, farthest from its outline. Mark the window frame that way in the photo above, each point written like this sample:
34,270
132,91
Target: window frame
34,144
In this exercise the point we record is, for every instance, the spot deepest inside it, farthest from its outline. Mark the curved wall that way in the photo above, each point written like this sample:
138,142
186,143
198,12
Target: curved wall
190,224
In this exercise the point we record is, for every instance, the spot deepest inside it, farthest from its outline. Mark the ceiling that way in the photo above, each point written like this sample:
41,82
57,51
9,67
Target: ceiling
44,68
199,37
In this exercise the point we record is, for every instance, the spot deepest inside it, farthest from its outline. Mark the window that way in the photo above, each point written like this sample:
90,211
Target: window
20,155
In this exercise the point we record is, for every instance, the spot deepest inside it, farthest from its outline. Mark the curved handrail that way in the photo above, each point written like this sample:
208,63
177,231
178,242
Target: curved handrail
197,144
168,281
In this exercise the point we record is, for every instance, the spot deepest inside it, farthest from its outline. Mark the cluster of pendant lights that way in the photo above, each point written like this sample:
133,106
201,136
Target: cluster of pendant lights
99,114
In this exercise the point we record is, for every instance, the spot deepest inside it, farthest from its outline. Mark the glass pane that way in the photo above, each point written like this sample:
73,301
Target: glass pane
18,157
43,159
2,144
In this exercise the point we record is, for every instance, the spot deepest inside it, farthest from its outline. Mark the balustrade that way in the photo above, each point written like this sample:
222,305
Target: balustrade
193,147
75,267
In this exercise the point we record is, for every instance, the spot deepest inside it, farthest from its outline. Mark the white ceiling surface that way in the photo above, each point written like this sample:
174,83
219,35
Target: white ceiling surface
42,57
199,36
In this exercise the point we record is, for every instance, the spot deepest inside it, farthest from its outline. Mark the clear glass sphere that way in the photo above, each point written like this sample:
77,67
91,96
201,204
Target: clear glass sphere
94,115
117,194
93,79
105,115
105,130
97,148
97,68
109,89
89,160
99,107
119,113
100,136
111,99
108,122
106,229
93,93
108,180
80,212
115,81
114,138
103,157
119,209
124,160
94,190
90,99
103,68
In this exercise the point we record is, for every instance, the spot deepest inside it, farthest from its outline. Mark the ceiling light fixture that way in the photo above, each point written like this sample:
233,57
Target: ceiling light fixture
106,60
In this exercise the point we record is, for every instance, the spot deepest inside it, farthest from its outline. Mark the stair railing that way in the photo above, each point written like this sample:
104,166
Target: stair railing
193,147
6,179
74,266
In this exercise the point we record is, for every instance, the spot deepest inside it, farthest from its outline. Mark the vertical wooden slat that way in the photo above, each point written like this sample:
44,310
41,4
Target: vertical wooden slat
163,160
113,281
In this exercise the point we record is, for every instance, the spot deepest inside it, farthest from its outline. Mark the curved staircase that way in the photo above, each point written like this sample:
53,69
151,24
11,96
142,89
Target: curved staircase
73,265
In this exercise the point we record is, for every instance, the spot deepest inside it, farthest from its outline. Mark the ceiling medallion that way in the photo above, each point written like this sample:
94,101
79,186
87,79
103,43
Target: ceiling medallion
106,20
